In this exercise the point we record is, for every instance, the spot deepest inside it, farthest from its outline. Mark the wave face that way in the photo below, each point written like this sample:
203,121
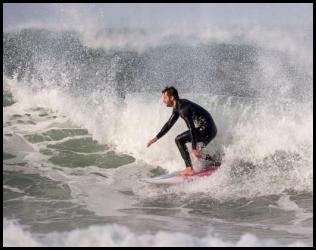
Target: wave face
80,105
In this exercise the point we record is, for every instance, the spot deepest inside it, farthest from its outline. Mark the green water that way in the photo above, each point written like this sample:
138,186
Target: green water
157,171
107,160
84,145
43,204
77,152
7,98
7,156
34,185
55,135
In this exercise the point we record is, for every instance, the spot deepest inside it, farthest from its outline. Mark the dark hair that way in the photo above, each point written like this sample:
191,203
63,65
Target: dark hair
171,91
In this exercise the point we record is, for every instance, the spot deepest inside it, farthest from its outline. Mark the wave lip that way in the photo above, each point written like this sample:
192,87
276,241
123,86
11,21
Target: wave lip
239,65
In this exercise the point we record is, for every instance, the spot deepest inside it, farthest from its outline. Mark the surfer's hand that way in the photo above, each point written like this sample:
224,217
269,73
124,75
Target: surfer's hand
196,153
151,142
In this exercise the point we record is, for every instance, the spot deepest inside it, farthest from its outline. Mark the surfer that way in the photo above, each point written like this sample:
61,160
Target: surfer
199,121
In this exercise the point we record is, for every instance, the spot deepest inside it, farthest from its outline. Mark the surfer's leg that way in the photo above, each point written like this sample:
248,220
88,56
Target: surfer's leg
181,140
205,137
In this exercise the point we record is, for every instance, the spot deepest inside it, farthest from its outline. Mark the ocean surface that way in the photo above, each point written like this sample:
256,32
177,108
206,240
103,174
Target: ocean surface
78,113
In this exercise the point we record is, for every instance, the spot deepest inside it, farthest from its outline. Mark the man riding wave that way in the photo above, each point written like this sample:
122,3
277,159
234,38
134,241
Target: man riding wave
199,121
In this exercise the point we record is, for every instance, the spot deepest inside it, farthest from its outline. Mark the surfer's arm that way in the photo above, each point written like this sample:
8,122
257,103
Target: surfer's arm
172,120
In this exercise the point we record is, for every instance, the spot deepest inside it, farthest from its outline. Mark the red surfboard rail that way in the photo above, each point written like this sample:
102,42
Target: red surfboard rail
207,172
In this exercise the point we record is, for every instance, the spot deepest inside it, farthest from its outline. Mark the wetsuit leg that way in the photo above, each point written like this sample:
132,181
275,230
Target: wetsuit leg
203,135
206,136
181,140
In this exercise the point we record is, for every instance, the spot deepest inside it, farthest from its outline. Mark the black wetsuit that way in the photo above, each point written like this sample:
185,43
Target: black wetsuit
200,123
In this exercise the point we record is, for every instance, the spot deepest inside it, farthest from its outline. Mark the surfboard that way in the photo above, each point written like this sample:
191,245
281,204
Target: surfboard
173,178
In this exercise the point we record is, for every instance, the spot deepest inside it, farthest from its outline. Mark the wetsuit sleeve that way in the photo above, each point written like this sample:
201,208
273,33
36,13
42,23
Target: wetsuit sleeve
173,118
188,117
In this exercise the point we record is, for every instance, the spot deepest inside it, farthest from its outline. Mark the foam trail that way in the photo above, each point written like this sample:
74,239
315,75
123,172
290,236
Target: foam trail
119,236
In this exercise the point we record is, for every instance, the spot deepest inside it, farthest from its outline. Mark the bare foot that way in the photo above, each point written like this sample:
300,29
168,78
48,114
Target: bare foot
186,171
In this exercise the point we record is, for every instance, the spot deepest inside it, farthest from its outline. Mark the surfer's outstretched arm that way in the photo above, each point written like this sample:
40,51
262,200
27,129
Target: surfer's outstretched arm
172,120
174,117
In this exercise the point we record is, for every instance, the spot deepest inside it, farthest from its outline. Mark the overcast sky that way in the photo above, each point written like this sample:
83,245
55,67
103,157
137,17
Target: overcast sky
156,14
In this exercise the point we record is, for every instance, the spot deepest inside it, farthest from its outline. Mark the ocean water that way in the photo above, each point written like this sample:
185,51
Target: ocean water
78,113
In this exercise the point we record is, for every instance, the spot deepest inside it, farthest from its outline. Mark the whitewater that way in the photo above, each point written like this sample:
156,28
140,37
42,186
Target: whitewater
81,102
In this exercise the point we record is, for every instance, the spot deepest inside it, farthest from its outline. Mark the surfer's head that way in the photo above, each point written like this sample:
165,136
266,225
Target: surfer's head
169,96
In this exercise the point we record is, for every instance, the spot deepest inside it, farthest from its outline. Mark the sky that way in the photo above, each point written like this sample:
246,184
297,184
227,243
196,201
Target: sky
155,14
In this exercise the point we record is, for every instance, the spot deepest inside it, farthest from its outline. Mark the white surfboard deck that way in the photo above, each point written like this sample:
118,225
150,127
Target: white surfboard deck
172,178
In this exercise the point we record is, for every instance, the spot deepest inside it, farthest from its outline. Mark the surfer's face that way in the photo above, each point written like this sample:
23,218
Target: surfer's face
168,100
